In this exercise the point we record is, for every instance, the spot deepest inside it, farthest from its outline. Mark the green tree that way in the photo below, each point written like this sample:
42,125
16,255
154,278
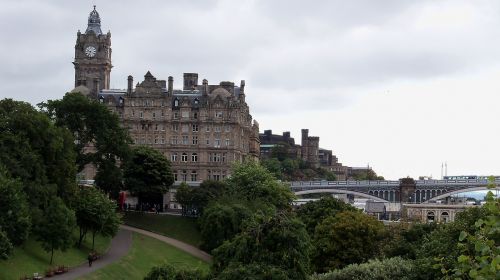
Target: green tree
37,152
95,213
480,247
278,241
253,271
221,221
254,182
5,246
147,172
109,178
348,237
15,219
170,272
93,125
393,268
55,230
441,243
273,165
314,212
184,196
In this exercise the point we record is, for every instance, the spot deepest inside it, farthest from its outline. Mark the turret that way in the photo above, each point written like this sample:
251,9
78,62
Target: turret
190,81
130,83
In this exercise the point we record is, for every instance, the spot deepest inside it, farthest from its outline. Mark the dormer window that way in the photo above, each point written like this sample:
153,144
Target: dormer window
176,102
196,101
101,99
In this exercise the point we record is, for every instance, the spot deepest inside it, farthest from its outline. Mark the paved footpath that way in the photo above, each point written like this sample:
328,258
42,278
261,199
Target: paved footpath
120,246
174,242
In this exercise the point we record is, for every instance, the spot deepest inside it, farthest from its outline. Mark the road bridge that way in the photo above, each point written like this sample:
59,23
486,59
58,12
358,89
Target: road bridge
405,190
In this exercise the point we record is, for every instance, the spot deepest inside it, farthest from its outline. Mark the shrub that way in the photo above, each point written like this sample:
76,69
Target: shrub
393,268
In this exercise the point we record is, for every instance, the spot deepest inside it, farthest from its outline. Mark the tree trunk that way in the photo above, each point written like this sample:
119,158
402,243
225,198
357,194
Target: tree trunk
83,232
52,255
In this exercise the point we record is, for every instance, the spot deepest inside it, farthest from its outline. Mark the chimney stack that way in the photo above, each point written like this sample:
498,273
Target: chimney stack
130,83
170,85
205,87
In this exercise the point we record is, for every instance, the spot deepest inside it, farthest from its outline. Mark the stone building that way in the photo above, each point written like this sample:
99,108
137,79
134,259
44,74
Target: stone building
431,212
309,151
202,128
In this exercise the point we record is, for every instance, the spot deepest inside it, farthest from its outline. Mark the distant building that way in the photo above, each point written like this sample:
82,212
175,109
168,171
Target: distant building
201,128
309,151
431,212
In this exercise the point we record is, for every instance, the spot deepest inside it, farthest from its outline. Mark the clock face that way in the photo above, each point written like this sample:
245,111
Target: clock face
90,51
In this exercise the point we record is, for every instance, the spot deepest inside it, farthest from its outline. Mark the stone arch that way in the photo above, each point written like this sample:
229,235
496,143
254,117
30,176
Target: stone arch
341,192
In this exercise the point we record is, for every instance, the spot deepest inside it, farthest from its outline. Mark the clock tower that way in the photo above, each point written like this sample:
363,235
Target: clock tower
93,56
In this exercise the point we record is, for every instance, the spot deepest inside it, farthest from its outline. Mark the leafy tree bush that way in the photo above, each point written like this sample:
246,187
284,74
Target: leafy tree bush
393,268
314,212
253,182
170,272
349,237
95,213
38,153
195,200
92,123
442,243
15,219
5,246
55,230
253,272
147,172
222,221
405,239
274,241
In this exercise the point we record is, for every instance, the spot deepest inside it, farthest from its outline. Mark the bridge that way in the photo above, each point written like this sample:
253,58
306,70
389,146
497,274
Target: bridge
404,190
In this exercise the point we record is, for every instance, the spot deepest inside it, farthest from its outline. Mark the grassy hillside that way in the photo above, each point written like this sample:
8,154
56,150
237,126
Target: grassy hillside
181,228
145,253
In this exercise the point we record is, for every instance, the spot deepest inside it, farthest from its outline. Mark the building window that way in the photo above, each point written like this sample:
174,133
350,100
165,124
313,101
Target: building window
154,115
195,140
163,139
228,142
173,140
185,114
185,128
218,114
156,139
173,157
194,157
228,128
223,157
162,113
175,176
208,141
195,128
141,115
156,126
196,101
176,102
184,157
175,127
162,127
193,176
184,175
207,128
195,115
217,128
185,140
217,143
176,115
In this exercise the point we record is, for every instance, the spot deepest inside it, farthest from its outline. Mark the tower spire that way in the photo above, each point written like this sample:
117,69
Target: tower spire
94,23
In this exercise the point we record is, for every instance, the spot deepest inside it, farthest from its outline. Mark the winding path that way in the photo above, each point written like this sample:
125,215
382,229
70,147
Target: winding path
120,245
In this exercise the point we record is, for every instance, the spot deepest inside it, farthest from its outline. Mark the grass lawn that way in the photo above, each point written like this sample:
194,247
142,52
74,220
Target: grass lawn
145,253
31,258
177,227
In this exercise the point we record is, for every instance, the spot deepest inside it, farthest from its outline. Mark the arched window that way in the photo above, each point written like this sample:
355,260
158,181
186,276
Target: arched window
430,217
445,217
194,157
184,157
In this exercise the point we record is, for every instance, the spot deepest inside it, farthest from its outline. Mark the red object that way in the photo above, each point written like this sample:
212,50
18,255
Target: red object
121,199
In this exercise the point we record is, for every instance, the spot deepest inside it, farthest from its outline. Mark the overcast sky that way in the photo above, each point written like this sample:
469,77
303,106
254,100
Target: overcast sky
400,85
